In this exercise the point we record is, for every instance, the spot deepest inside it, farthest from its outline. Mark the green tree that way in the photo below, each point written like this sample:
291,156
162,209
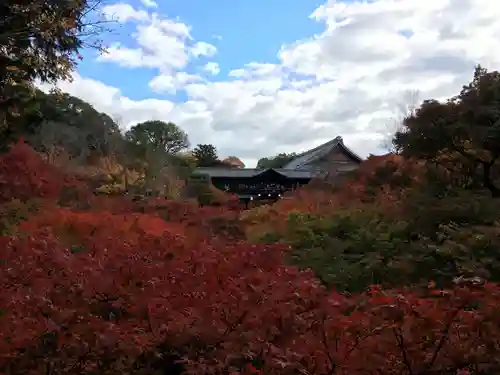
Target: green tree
206,155
61,120
461,134
40,40
186,163
155,146
277,161
158,136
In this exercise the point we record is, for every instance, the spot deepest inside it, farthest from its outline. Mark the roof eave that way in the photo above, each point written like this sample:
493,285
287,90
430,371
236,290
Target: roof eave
350,152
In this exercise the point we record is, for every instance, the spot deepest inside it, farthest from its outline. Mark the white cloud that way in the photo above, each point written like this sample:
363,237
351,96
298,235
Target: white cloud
255,69
212,68
347,80
149,3
203,49
122,12
160,43
126,57
171,83
163,83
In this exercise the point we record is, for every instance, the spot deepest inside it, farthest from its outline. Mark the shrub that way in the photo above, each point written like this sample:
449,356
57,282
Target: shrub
226,225
200,188
111,189
155,286
24,175
350,250
136,305
14,212
428,211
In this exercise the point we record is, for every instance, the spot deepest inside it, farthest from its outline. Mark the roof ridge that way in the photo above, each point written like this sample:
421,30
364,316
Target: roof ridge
330,144
336,140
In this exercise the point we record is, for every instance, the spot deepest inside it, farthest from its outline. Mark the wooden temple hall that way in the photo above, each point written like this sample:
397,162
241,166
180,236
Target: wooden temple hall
332,157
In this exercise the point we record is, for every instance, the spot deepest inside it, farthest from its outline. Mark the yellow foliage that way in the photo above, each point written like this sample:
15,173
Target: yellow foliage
111,189
173,189
133,177
109,165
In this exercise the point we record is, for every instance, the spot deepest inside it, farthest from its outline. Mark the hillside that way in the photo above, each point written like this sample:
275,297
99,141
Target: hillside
106,284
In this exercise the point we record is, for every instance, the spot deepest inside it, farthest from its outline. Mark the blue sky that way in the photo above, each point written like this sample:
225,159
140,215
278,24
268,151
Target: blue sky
243,31
285,75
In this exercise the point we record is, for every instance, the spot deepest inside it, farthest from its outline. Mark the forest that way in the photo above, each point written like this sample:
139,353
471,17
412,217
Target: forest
111,262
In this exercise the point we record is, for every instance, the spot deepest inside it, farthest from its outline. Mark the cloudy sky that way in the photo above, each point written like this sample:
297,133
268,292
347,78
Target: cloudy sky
260,77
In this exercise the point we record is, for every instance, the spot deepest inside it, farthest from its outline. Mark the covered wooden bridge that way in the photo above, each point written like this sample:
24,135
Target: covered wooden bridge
332,157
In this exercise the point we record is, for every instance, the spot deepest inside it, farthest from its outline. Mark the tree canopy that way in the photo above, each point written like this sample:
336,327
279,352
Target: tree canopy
461,134
40,40
206,155
158,136
277,161
62,120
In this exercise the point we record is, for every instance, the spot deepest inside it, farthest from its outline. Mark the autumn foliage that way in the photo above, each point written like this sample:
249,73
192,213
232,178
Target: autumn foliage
162,287
24,175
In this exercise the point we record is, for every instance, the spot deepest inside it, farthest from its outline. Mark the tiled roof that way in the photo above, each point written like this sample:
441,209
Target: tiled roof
247,173
295,174
319,152
292,169
228,172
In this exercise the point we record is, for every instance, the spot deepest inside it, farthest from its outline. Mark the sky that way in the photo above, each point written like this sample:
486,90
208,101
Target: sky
256,78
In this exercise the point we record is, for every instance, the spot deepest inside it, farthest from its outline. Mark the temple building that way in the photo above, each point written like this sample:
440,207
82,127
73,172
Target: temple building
329,159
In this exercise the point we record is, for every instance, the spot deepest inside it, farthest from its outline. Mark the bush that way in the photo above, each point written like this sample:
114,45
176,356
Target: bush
205,193
111,189
24,175
14,212
350,250
155,286
428,211
136,305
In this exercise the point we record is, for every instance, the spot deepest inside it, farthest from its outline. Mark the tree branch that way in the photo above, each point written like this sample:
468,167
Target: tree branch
487,169
487,180
442,340
402,348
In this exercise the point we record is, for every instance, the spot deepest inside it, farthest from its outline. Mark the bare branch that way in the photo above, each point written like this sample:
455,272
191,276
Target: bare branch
406,107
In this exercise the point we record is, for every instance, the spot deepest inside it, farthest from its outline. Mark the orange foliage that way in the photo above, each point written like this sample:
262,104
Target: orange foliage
222,306
380,171
24,175
320,197
168,287
99,225
234,162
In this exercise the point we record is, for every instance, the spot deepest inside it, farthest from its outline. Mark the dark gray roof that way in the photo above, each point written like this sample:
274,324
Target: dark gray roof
319,152
292,169
228,172
295,174
250,172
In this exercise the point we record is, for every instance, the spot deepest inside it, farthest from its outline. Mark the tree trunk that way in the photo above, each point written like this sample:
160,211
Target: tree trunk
487,180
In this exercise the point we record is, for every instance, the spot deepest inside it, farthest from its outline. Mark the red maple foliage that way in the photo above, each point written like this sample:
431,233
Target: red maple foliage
24,175
104,303
106,291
